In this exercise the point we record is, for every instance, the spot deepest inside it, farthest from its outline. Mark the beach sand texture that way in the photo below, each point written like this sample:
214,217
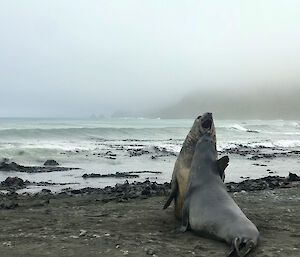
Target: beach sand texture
84,225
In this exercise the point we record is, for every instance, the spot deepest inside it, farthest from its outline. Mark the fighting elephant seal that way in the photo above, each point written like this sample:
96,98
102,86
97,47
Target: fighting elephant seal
208,209
183,163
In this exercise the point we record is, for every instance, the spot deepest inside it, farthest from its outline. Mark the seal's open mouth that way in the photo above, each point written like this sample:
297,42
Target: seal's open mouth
207,124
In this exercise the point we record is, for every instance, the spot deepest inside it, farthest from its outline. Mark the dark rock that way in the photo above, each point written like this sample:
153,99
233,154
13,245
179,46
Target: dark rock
10,166
127,174
4,166
116,175
14,183
269,182
137,152
9,205
46,191
146,191
150,252
257,164
51,163
293,177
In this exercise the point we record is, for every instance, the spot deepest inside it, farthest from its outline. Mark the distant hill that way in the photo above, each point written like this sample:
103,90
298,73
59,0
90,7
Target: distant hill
264,103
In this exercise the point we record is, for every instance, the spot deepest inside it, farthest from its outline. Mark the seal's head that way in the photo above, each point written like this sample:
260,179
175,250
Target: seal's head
203,123
206,123
206,147
204,158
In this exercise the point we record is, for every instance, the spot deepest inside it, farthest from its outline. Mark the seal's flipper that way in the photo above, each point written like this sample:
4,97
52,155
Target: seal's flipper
185,217
234,250
246,247
173,194
240,248
222,164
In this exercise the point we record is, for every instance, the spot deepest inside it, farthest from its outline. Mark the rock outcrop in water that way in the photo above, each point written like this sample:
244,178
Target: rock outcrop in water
13,183
129,174
51,163
12,166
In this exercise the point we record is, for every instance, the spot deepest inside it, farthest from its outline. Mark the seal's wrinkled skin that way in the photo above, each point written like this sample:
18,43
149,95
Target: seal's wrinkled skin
182,167
208,208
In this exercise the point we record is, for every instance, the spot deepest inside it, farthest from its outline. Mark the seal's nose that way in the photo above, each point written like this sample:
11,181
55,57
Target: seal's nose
209,115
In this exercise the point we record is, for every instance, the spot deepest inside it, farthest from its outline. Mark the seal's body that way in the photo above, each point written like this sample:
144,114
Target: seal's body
183,163
208,208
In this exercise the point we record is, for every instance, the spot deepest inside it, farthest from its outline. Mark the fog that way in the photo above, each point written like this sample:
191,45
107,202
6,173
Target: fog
274,102
77,58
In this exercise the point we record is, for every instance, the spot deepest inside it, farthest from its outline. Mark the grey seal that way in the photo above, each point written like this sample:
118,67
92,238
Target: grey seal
208,209
202,124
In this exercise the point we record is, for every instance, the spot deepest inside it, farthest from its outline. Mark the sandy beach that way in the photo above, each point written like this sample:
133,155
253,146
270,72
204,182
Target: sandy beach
128,220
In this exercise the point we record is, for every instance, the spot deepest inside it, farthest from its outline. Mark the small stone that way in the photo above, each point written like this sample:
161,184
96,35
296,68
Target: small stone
150,251
8,244
82,232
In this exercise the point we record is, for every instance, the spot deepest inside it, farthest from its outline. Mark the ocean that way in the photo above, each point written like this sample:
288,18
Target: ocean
125,145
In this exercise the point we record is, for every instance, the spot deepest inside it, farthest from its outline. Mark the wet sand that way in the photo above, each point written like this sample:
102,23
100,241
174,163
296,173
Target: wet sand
88,225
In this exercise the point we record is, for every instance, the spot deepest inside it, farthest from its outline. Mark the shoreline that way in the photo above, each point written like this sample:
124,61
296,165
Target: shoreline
123,192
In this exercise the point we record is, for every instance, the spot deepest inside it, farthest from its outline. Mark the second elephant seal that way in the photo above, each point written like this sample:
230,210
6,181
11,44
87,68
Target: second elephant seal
208,209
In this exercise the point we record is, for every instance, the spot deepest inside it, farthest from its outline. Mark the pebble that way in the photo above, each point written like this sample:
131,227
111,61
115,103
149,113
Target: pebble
150,251
8,244
125,252
82,232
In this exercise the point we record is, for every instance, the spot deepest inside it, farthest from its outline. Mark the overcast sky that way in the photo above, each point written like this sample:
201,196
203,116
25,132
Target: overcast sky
74,58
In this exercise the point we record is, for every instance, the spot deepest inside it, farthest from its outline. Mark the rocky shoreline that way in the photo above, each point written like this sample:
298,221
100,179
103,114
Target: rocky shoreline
137,190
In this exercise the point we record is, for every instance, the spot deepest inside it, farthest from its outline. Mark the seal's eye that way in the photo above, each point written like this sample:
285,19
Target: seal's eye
199,117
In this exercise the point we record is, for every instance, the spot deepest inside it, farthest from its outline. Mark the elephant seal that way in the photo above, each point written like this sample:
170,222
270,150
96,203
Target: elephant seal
183,163
208,209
